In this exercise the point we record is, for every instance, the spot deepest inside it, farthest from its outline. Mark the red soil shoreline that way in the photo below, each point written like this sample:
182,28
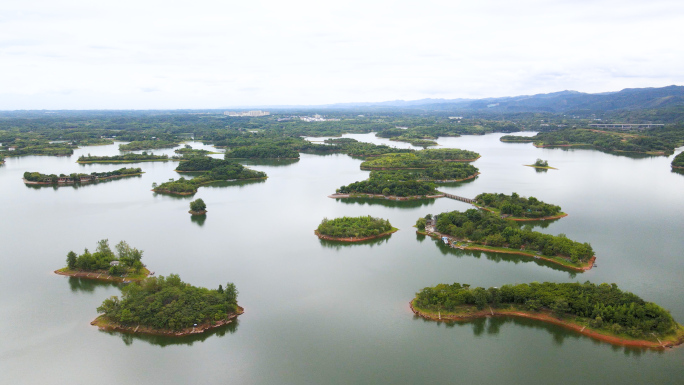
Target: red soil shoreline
99,276
329,238
102,324
389,197
550,319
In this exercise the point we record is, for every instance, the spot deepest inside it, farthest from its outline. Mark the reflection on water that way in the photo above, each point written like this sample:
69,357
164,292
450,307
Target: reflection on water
388,203
492,325
129,338
456,184
501,257
88,285
679,171
234,183
339,244
199,219
541,170
529,225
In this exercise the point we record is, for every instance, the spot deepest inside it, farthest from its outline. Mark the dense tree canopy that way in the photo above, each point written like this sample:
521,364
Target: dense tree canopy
517,206
348,227
394,188
198,205
126,158
678,160
489,229
262,152
167,303
604,305
127,256
214,170
147,145
52,178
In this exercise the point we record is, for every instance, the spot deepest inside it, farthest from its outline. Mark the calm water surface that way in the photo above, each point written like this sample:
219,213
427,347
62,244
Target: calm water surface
320,312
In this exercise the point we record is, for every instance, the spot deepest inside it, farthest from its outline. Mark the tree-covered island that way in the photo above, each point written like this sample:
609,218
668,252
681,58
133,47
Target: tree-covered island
517,208
662,141
214,170
93,177
106,265
126,158
354,229
541,164
411,175
485,231
601,311
678,161
198,207
168,306
263,151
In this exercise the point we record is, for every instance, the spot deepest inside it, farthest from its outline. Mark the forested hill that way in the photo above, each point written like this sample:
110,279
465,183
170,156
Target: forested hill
557,102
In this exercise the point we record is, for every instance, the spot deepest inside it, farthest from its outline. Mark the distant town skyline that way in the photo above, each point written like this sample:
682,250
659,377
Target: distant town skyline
212,55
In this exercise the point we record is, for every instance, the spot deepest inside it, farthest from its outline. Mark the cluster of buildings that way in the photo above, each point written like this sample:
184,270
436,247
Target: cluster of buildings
317,118
247,113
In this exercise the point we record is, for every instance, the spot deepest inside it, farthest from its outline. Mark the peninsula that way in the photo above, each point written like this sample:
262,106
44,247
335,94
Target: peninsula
354,229
678,161
603,312
516,208
105,265
213,170
486,231
168,306
63,180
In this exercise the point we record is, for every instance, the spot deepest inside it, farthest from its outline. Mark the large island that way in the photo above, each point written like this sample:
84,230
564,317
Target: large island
354,229
168,306
63,179
600,311
213,170
516,208
486,231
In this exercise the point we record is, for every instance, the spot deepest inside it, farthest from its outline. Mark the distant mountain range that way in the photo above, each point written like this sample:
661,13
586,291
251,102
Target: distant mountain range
557,102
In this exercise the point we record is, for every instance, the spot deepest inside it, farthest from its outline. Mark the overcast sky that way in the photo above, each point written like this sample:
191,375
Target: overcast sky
85,54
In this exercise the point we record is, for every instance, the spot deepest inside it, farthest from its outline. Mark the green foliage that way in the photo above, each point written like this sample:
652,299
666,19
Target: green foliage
602,305
517,206
264,151
148,145
418,159
442,172
214,170
198,205
483,227
128,257
678,160
130,157
643,142
541,163
348,227
52,178
394,188
167,303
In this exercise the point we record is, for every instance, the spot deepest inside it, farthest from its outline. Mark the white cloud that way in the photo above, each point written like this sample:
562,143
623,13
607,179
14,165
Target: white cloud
208,54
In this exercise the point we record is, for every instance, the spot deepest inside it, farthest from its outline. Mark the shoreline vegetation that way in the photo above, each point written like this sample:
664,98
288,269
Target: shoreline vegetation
168,306
105,324
35,178
123,266
388,197
602,311
411,175
481,230
154,144
678,161
541,164
213,170
516,208
660,142
354,229
126,158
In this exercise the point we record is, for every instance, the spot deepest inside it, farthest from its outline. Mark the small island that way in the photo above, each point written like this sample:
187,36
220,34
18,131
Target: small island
516,208
126,158
603,312
485,231
36,178
198,207
541,164
168,306
263,151
354,229
187,152
105,265
678,161
386,189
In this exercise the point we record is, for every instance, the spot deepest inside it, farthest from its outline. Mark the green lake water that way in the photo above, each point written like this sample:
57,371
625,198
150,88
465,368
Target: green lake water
320,312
